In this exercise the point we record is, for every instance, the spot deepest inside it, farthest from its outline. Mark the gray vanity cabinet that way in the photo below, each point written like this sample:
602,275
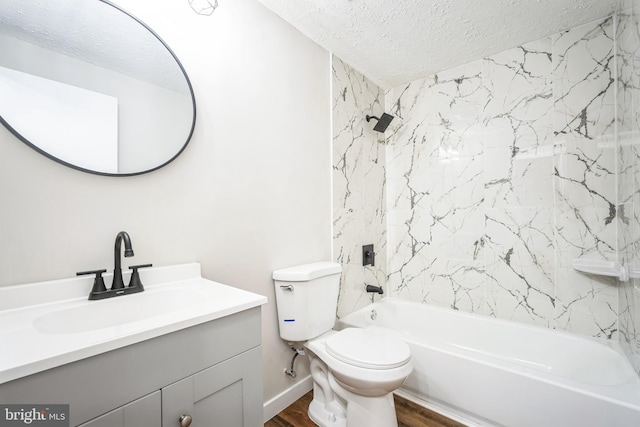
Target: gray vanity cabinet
211,372
222,395
144,412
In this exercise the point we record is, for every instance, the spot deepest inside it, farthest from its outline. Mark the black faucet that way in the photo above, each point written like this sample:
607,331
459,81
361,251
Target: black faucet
128,252
99,291
374,289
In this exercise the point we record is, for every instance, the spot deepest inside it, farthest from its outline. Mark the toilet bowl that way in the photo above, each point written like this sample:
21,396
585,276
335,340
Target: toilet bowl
358,369
354,371
368,361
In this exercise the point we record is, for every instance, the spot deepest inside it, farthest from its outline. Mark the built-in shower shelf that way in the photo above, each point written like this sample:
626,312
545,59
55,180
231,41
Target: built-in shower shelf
601,268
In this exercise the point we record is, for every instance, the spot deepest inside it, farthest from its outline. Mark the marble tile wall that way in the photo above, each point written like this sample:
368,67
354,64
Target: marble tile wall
502,171
494,176
359,203
628,135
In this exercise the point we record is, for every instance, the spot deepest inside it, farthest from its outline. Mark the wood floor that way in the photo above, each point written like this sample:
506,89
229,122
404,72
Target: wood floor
409,415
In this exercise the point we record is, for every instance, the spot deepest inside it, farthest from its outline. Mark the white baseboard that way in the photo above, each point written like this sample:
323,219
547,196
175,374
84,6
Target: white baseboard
273,406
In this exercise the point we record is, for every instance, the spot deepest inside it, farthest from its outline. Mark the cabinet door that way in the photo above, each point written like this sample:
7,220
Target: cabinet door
144,412
228,394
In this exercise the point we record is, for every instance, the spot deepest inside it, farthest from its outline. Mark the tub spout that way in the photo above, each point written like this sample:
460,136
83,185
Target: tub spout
376,289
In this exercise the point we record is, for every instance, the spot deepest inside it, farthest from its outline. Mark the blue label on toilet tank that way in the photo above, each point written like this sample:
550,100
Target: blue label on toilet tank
289,320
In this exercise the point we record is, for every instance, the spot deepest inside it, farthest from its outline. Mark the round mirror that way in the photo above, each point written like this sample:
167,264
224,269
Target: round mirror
92,87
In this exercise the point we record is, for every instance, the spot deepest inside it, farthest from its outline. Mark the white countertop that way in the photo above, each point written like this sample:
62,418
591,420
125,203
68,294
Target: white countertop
35,336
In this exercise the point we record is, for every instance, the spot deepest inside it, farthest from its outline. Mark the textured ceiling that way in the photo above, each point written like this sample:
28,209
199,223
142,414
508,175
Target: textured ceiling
397,41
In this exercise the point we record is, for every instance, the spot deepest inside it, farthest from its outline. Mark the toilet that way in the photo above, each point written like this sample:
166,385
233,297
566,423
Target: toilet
354,371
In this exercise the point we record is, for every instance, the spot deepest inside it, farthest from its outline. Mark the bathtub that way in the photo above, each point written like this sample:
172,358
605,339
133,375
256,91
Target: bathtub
491,372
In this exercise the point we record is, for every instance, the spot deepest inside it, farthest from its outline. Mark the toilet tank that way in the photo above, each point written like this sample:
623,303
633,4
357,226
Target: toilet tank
307,299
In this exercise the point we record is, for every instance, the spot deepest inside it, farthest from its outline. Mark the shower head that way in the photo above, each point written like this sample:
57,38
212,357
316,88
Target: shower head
383,122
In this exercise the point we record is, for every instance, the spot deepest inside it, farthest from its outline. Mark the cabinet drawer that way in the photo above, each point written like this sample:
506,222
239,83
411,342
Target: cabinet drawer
144,412
228,394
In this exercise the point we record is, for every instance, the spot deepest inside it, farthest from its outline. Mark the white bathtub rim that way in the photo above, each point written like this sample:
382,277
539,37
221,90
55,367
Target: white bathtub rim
611,345
623,392
626,394
625,389
570,335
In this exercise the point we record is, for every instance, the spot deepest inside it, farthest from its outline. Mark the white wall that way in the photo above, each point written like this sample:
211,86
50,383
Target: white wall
250,194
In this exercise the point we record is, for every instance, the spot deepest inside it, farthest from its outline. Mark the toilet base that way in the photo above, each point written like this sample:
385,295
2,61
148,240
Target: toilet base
319,415
347,409
352,401
370,411
377,413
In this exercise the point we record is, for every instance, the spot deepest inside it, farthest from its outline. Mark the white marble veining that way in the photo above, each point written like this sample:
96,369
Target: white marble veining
359,206
520,264
586,199
583,79
34,328
499,173
585,175
628,157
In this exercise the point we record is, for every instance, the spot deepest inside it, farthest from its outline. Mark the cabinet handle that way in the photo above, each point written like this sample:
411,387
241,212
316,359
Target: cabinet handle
185,420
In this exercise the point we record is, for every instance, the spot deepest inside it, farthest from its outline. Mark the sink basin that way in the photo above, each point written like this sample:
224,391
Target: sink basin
51,323
94,315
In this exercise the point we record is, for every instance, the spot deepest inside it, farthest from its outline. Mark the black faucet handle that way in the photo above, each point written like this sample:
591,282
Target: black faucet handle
98,281
136,267
98,272
368,255
135,281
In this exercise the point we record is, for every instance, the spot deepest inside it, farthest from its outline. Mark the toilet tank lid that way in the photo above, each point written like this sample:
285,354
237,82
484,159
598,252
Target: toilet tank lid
302,273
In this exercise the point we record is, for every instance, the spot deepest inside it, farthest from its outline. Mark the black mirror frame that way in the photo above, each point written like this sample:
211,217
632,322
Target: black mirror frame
193,121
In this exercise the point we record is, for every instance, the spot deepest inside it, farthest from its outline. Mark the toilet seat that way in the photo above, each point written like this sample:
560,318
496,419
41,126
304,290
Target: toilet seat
380,377
368,348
